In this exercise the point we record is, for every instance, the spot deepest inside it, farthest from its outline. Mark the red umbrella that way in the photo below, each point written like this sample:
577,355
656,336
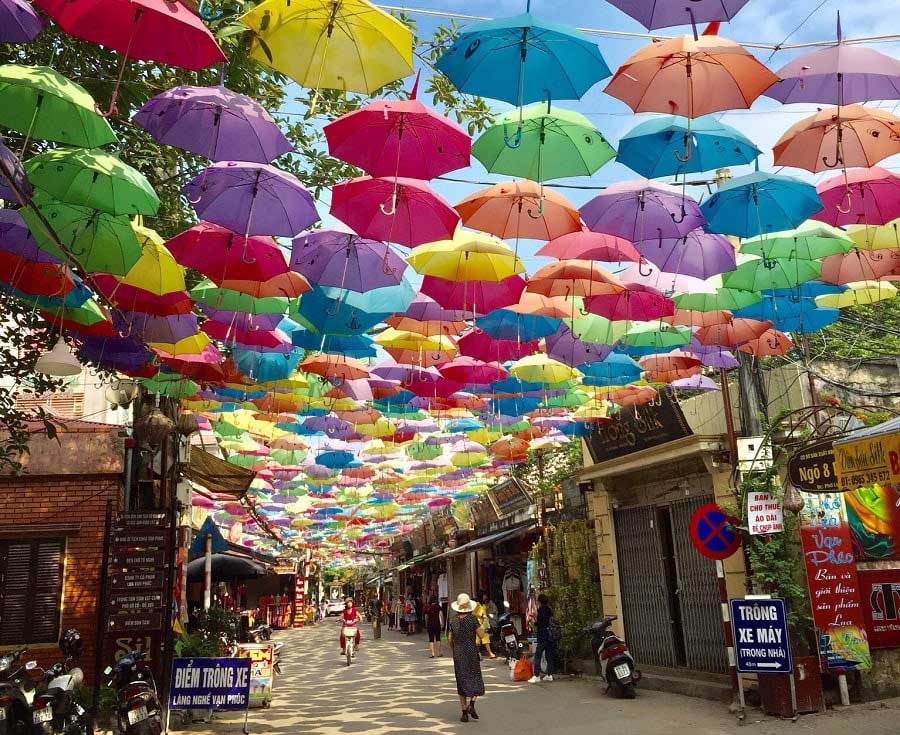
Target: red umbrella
469,370
865,196
132,298
474,297
859,265
675,360
399,210
482,346
635,303
588,245
33,277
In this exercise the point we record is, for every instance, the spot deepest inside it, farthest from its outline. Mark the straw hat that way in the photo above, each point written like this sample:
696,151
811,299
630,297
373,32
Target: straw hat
463,603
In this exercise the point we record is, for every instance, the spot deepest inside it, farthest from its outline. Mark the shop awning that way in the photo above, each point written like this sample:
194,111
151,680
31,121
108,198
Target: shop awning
491,539
217,475
891,426
415,560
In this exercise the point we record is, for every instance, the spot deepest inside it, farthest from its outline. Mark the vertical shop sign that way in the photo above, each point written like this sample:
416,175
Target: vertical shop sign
880,589
300,598
764,514
833,583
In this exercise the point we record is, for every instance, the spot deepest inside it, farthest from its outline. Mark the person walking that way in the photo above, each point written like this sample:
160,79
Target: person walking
546,641
434,622
464,633
482,612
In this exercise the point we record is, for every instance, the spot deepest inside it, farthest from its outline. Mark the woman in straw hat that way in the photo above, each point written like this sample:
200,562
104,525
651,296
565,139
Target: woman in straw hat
464,635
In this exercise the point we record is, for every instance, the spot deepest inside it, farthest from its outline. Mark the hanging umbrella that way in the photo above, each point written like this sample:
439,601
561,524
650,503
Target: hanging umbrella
689,318
771,342
92,179
656,147
810,241
757,274
550,143
252,199
649,275
564,346
722,298
788,314
733,333
522,60
33,277
151,328
859,265
542,369
16,238
634,303
469,370
14,185
839,137
349,45
155,271
469,256
860,292
570,278
400,210
150,30
695,382
699,254
399,138
588,245
335,367
760,202
533,317
877,237
427,328
838,75
653,14
474,297
18,22
657,335
213,122
481,346
643,209
519,209
597,329
206,292
868,196
344,260
41,103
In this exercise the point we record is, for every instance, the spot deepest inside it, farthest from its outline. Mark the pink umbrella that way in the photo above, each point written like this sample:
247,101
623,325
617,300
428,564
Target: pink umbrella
469,370
696,382
399,210
474,297
588,245
866,196
635,303
482,346
859,265
649,275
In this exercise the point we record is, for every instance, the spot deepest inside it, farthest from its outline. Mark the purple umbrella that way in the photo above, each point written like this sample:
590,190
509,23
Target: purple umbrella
18,22
252,199
653,14
345,260
641,210
564,346
695,382
425,309
11,168
646,274
213,122
838,75
241,320
151,328
15,237
329,424
115,353
699,254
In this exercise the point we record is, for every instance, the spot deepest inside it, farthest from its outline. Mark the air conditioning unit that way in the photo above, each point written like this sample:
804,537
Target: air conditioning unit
754,453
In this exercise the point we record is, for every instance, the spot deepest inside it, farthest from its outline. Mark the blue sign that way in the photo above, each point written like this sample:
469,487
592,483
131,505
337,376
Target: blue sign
210,683
761,643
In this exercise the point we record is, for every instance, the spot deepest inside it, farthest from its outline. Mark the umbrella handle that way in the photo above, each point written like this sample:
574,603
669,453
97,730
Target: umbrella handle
773,343
848,197
393,210
516,139
641,268
687,150
540,210
683,215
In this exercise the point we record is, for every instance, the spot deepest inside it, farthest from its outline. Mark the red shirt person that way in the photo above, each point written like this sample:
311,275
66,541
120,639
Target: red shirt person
350,617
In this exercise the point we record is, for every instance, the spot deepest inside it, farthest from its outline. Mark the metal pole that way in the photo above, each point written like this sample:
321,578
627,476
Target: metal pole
795,714
729,416
101,614
207,574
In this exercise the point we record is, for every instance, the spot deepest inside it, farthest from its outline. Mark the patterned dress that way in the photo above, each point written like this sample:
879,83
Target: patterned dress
466,661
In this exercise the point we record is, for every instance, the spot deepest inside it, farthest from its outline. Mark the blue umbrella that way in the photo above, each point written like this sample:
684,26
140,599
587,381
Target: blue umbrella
789,314
615,369
336,316
351,345
386,299
658,147
265,366
335,459
808,290
508,324
466,424
759,202
522,60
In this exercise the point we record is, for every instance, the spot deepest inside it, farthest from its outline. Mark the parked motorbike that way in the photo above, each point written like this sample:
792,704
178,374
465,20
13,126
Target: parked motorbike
260,633
509,636
614,663
137,701
16,694
56,711
276,656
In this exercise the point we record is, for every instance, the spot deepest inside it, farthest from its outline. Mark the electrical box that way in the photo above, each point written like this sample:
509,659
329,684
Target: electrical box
754,454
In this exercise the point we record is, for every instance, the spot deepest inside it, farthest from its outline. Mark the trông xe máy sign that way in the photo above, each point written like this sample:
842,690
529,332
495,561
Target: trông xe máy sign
210,683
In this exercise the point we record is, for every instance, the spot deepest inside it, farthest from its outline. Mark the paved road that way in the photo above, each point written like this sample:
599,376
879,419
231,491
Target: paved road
393,688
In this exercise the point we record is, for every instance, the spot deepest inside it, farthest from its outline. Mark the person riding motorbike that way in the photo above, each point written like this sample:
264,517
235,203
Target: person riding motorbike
350,617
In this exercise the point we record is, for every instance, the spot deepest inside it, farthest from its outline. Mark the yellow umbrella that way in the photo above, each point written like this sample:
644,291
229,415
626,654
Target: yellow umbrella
192,345
406,340
380,428
145,235
882,237
469,256
331,44
156,270
858,292
542,369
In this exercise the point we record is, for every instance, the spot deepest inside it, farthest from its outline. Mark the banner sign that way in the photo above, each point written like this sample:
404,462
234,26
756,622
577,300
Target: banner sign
880,590
862,463
761,642
262,674
210,683
812,468
833,583
764,514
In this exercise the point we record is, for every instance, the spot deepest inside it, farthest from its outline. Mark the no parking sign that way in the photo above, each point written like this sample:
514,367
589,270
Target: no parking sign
714,533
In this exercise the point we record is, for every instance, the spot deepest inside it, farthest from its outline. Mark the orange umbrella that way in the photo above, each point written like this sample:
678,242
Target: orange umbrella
633,395
691,318
771,342
335,366
428,328
675,360
534,303
669,376
520,209
859,265
839,137
290,285
574,278
509,447
732,333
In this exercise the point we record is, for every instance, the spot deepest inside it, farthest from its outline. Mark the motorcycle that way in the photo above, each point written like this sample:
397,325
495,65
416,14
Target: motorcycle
349,642
137,702
509,636
56,711
260,633
16,694
611,657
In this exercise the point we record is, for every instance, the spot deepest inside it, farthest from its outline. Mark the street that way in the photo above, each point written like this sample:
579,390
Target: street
394,688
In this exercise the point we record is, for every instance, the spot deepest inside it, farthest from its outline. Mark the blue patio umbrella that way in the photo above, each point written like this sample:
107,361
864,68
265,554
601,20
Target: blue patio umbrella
265,366
355,345
760,202
522,60
615,369
335,316
508,324
335,459
659,147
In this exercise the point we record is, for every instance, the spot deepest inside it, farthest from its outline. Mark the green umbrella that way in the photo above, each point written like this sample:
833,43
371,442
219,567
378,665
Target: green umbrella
41,103
289,456
553,143
206,292
171,385
722,299
569,399
102,243
597,329
810,241
226,430
93,179
766,273
657,334
87,314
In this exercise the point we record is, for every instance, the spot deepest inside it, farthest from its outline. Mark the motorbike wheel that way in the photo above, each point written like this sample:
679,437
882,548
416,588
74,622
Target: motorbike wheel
627,691
150,726
349,653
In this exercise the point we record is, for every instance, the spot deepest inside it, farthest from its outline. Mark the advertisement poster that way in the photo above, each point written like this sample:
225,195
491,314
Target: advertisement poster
764,514
833,583
262,675
210,683
874,517
880,590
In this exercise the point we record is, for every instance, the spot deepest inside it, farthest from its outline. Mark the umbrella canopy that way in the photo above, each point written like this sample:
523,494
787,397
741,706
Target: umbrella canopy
733,333
469,256
549,143
18,22
400,210
344,260
839,137
653,14
635,303
469,370
564,346
860,292
759,202
670,145
868,196
691,77
150,30
588,245
474,297
92,179
156,271
225,567
811,241
699,254
399,138
522,60
213,122
12,174
859,265
482,346
771,342
331,44
762,273
723,298
41,103
252,199
571,278
878,237
519,209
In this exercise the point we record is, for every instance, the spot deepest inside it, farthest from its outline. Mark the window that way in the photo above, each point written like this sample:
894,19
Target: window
31,579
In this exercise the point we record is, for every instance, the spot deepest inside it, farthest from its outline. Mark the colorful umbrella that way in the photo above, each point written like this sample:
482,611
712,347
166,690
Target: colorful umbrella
213,122
400,210
564,346
469,256
859,265
699,254
542,369
810,241
18,22
588,245
481,346
569,278
723,298
656,335
653,14
733,333
758,274
869,196
474,297
155,271
206,292
634,303
252,199
469,370
344,260
772,342
861,292
878,237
